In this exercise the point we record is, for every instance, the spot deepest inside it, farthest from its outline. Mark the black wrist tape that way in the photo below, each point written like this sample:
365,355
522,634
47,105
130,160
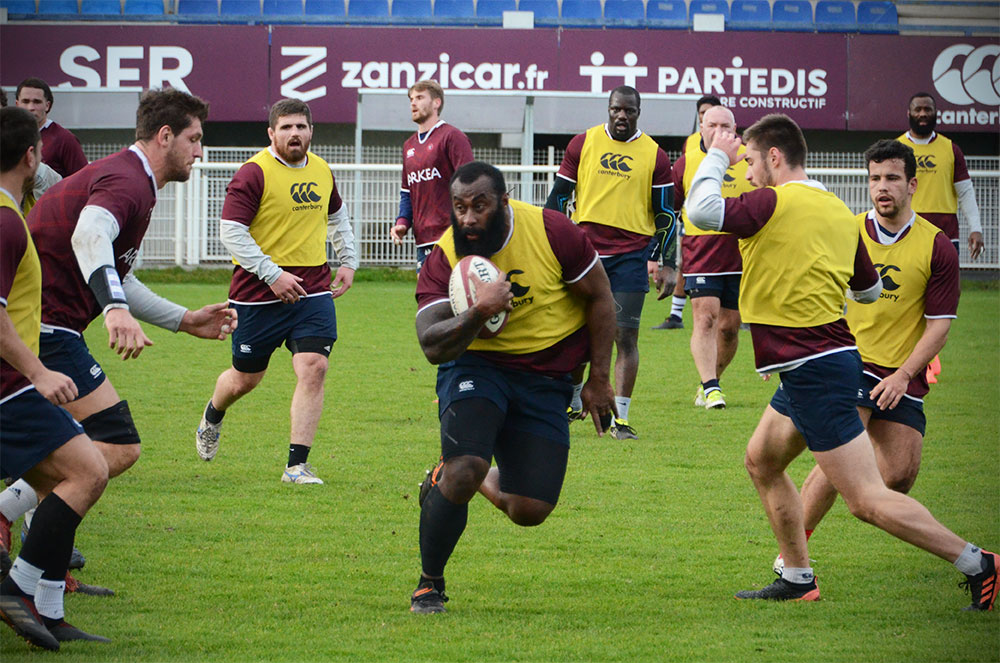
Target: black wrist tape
107,287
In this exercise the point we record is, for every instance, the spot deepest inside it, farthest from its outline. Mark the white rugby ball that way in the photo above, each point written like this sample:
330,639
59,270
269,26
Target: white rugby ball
467,274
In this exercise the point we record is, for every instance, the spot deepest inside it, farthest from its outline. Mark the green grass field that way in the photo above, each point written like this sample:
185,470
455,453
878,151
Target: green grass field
221,562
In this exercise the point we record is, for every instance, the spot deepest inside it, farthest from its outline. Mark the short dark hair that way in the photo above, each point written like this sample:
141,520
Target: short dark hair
18,132
167,107
708,99
780,131
428,85
288,107
626,91
889,148
3,98
922,94
472,171
38,84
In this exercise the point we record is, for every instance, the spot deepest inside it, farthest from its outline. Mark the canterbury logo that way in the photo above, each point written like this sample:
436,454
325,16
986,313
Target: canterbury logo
887,282
975,79
303,193
727,177
516,288
926,161
617,162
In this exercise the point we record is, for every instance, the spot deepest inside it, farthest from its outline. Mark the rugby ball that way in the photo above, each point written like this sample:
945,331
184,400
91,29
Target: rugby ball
466,276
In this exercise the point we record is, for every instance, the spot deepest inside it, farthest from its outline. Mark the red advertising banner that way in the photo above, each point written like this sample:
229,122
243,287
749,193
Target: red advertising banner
828,81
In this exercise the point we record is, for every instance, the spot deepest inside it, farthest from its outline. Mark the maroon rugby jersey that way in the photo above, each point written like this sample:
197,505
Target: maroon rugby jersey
12,248
242,201
61,150
123,185
703,255
428,165
576,255
609,240
774,345
940,299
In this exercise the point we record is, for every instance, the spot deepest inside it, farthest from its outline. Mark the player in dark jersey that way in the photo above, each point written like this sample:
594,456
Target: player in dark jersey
88,229
624,196
506,397
41,441
795,310
430,157
60,149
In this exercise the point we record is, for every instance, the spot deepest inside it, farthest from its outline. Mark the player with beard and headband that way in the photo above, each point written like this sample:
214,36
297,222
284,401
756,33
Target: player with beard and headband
41,441
88,230
505,397
802,251
898,334
624,197
281,207
430,157
945,185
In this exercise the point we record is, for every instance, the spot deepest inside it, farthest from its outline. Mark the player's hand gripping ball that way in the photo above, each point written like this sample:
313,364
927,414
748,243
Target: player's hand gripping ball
469,273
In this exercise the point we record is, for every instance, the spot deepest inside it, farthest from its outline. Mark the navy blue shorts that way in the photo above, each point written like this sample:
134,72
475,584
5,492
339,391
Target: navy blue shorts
31,429
821,398
909,411
67,353
308,325
724,287
627,271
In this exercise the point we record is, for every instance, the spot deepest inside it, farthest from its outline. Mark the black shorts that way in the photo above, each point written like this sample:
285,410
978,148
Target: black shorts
31,428
909,411
724,287
308,325
66,352
516,417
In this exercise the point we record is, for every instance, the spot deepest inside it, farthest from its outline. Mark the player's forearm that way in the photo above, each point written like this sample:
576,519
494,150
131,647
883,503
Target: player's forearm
967,203
405,215
705,205
928,346
444,336
562,191
341,235
238,241
601,327
150,307
93,246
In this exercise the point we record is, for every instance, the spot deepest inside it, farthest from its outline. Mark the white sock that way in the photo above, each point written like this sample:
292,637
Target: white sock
17,500
26,575
798,576
622,404
971,561
576,403
49,598
677,306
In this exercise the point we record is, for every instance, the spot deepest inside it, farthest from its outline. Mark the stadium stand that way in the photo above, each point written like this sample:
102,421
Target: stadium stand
149,8
749,15
877,16
546,11
708,7
454,12
624,13
197,8
966,17
581,13
792,15
367,11
490,12
325,10
668,14
52,7
836,16
25,7
240,8
410,11
282,9
101,7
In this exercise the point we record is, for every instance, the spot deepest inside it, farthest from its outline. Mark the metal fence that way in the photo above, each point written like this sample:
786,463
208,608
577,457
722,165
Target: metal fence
185,226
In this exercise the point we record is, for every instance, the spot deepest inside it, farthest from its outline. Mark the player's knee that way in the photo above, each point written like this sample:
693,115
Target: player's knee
529,513
730,336
89,472
122,457
243,383
864,507
463,475
901,479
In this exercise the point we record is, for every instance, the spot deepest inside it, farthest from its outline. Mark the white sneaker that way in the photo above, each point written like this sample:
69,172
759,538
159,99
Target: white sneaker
699,397
301,473
206,440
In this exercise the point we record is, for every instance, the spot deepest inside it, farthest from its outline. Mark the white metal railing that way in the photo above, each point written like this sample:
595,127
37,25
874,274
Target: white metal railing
184,229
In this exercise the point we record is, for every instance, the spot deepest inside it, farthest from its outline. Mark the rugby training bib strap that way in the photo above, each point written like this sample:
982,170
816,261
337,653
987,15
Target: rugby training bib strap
107,287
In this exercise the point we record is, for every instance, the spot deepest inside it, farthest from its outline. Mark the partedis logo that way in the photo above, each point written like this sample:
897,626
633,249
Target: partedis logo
968,76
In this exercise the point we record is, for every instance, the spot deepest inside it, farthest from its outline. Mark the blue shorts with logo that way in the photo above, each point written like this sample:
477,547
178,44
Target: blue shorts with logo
909,411
31,429
627,271
67,353
724,287
308,325
821,398
532,403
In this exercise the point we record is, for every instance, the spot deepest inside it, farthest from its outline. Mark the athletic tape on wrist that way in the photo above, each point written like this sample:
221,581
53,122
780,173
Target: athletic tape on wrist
107,287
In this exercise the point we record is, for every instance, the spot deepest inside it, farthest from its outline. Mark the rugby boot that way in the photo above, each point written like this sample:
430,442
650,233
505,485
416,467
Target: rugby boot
983,585
18,610
427,598
782,590
63,631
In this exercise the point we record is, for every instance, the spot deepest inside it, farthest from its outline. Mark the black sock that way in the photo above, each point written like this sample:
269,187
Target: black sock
711,384
50,539
297,454
441,525
212,415
438,583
